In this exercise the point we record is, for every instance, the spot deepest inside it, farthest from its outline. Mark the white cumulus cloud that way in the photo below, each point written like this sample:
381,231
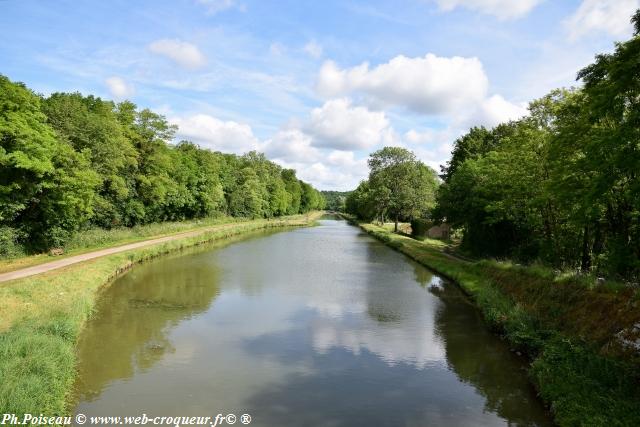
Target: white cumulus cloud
291,145
340,125
183,53
119,88
429,84
495,110
215,134
345,159
433,156
502,9
608,16
429,136
326,176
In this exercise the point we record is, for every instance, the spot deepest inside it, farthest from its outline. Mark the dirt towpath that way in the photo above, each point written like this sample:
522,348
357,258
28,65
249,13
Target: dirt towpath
53,265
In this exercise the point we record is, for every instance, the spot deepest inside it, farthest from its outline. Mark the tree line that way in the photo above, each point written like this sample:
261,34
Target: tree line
335,200
69,162
560,186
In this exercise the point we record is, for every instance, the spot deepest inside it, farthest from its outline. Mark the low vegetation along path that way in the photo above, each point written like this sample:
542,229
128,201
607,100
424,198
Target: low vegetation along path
53,265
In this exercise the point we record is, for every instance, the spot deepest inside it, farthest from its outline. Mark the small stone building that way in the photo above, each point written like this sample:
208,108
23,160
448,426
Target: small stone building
441,231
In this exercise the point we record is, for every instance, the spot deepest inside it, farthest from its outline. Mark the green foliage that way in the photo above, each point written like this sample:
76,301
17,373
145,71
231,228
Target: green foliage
9,242
562,184
90,126
361,202
420,227
475,143
335,200
585,388
71,162
399,186
46,187
27,147
310,199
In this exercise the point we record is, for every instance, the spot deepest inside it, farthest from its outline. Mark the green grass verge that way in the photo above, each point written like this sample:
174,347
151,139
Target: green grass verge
567,329
41,317
99,238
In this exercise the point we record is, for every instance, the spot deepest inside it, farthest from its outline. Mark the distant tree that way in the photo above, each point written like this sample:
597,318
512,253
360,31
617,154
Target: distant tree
402,185
293,187
362,203
335,200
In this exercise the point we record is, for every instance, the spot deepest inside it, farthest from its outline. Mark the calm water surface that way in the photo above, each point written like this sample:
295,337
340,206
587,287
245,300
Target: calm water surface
320,326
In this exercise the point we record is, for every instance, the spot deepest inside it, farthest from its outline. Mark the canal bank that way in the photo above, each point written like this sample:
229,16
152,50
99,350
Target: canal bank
575,334
316,326
42,317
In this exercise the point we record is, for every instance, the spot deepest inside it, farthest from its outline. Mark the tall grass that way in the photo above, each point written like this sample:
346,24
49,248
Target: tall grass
14,257
99,237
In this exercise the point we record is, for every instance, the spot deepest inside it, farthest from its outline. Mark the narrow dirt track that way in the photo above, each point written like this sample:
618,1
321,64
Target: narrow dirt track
53,265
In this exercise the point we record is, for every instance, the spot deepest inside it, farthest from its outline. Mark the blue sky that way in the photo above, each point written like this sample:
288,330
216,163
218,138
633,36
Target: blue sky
315,85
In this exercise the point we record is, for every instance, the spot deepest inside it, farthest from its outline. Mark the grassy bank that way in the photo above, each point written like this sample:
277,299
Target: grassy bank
100,238
573,331
42,316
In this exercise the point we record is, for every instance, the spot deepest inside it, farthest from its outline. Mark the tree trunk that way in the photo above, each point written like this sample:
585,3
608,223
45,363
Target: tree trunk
586,256
396,229
597,240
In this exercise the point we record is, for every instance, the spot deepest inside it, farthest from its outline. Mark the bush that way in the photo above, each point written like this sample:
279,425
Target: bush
420,227
55,237
10,246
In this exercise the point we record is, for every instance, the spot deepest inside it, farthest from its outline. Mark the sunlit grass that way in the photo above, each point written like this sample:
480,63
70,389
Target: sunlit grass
100,238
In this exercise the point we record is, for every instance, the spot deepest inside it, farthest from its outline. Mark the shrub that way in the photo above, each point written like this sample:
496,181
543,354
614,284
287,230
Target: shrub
420,227
10,246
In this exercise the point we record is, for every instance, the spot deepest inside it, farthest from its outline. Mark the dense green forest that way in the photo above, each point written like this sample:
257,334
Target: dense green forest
335,200
69,162
559,186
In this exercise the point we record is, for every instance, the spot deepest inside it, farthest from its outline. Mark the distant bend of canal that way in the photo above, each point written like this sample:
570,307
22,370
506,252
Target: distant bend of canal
318,326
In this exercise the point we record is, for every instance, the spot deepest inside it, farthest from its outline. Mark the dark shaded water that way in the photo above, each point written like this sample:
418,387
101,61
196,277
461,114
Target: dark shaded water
319,326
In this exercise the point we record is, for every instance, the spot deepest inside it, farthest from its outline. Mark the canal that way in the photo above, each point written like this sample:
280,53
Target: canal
319,326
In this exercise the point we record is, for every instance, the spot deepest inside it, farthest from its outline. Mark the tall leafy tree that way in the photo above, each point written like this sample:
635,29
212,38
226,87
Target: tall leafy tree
46,188
91,126
292,185
403,186
471,145
612,151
